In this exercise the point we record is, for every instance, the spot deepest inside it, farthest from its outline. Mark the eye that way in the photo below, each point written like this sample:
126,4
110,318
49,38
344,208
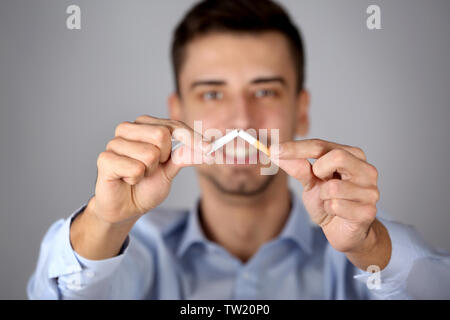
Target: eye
264,93
212,95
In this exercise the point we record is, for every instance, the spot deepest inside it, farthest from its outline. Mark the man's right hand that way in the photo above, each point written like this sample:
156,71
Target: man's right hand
134,176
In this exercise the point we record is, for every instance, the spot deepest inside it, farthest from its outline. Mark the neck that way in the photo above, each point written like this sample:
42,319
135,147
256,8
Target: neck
241,224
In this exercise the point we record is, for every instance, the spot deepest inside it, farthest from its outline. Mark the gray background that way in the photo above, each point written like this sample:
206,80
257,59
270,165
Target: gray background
63,92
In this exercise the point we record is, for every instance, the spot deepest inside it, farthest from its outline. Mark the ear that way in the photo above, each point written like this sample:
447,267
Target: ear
174,105
302,119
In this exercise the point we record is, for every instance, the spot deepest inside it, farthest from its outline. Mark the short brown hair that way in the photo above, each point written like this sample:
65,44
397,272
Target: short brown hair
236,16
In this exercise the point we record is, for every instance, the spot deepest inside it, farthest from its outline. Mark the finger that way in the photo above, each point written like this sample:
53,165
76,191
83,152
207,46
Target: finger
112,166
349,167
346,190
299,169
184,157
159,136
180,131
350,210
172,167
311,148
147,153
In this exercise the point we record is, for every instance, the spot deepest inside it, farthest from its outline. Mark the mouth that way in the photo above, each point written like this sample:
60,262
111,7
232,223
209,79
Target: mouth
244,153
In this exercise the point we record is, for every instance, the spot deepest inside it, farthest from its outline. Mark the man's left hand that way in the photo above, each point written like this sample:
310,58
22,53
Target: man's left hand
340,193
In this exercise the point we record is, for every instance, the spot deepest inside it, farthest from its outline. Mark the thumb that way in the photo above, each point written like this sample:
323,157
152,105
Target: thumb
182,157
299,169
171,169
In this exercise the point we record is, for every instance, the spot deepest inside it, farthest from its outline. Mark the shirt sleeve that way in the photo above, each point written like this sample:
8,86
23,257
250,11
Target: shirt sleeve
408,251
61,273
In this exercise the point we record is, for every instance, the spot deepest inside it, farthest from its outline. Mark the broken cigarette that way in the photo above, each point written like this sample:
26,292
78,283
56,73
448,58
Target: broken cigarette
219,143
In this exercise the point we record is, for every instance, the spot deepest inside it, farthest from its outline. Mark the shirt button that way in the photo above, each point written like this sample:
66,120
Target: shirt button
89,273
246,275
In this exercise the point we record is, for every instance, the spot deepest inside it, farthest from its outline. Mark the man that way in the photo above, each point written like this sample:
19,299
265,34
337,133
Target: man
238,64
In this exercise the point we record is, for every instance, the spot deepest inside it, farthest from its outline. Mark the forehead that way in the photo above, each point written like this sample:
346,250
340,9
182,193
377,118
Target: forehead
237,57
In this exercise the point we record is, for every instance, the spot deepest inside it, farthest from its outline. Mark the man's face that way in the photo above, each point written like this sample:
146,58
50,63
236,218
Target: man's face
239,81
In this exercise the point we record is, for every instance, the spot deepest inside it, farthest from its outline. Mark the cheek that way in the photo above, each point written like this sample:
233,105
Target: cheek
209,119
201,121
192,114
280,119
192,111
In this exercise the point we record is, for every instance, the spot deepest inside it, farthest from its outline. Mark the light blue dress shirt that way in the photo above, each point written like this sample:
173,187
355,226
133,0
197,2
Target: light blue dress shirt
167,256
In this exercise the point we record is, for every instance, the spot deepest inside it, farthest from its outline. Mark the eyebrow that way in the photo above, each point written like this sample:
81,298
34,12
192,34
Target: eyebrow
207,83
223,82
269,79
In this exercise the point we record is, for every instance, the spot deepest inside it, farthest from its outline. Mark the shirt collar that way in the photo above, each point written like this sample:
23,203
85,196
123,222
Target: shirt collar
297,228
193,232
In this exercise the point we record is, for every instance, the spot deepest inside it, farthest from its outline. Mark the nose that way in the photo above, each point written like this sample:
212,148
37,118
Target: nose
241,113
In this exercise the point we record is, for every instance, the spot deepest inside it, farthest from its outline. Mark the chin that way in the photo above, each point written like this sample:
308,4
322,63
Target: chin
241,180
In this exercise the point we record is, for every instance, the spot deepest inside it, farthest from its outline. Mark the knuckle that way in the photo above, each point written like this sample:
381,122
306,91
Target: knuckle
316,167
359,153
373,172
150,157
157,134
132,181
338,156
102,158
144,118
334,186
121,127
318,147
137,170
370,212
161,134
112,143
333,206
375,195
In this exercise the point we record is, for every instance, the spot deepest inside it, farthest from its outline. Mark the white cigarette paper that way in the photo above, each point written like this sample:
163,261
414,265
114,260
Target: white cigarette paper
219,143
251,140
